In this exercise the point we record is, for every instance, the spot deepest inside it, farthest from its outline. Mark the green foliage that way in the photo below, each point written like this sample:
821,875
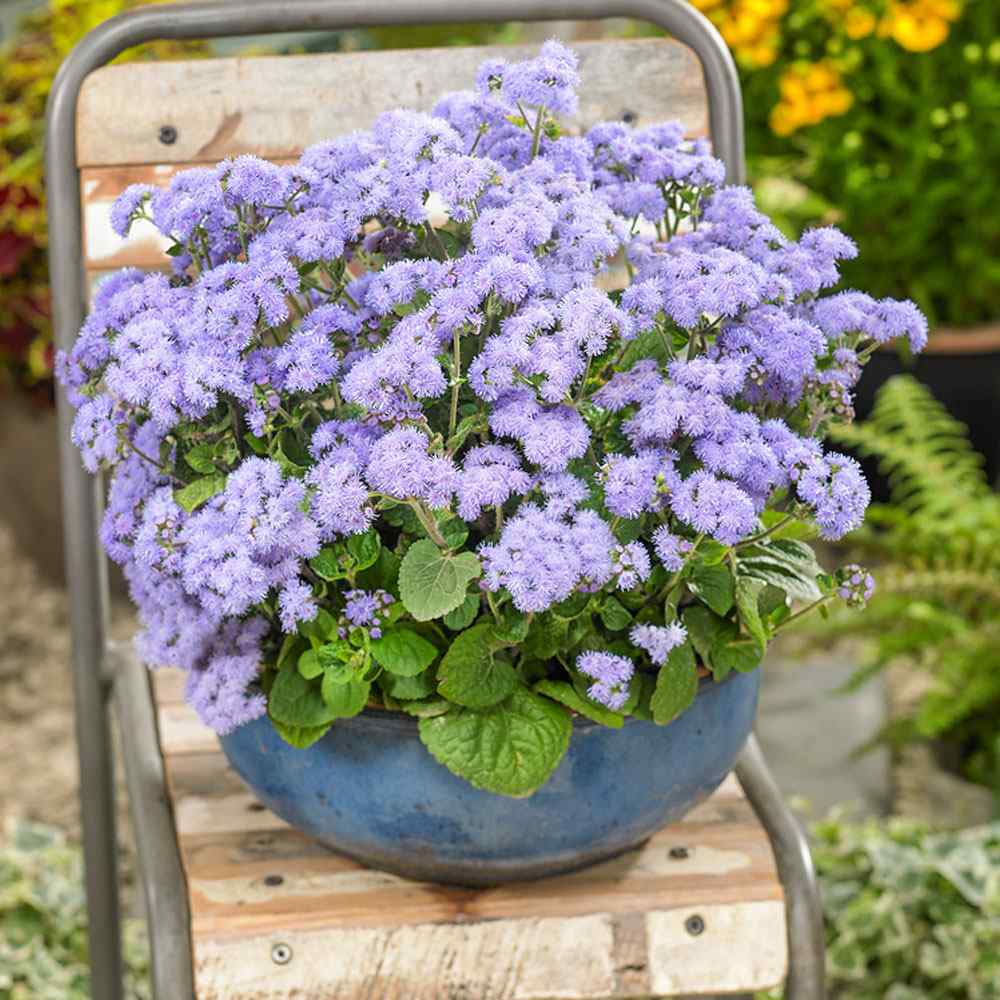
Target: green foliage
938,599
511,748
43,921
910,914
433,582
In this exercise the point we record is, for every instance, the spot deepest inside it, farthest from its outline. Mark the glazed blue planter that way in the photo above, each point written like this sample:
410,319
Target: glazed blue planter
370,790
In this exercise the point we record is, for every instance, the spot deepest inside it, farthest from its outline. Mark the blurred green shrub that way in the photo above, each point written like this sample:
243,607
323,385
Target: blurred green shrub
43,921
937,603
910,914
888,111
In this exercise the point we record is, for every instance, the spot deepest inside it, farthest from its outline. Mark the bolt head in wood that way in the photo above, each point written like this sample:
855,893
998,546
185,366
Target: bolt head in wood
281,953
694,925
167,135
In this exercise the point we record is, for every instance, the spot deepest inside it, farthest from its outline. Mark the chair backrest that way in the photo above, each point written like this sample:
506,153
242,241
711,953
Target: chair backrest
143,122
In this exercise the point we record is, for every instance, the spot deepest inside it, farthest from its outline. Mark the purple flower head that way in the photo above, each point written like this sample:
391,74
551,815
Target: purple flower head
490,475
855,585
296,604
401,467
658,640
632,564
835,488
715,507
366,609
611,675
670,549
128,205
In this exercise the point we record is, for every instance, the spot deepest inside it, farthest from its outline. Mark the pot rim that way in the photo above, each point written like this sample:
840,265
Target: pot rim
394,718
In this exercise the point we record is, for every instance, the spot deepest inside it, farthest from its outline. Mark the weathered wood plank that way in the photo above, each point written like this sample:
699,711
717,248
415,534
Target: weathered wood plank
598,956
275,106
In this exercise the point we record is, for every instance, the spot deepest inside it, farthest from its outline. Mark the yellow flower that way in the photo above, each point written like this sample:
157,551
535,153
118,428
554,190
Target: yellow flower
919,25
809,93
859,23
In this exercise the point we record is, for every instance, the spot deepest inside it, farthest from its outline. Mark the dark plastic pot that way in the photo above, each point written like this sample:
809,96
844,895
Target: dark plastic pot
370,790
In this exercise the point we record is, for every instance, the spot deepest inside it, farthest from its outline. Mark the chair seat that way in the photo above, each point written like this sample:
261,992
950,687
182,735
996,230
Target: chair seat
275,915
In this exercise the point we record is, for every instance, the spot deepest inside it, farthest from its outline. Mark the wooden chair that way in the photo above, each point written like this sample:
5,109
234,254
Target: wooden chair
239,905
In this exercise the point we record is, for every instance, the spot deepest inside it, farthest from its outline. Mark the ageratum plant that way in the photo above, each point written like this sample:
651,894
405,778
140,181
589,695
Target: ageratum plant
476,419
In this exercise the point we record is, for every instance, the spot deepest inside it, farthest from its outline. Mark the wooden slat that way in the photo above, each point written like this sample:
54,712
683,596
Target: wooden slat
275,106
281,105
613,931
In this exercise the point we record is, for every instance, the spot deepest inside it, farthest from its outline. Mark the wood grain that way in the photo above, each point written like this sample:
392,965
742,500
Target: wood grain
613,931
275,106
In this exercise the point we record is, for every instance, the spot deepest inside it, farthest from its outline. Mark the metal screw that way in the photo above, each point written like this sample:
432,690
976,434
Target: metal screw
678,853
273,879
629,117
694,925
168,135
281,953
256,807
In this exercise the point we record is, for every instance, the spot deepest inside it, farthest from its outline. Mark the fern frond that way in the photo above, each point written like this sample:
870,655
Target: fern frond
924,452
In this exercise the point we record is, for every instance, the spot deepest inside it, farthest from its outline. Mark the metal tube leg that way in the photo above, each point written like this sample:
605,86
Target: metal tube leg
806,941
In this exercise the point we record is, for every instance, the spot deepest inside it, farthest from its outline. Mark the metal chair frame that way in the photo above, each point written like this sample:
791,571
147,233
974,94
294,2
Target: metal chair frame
103,673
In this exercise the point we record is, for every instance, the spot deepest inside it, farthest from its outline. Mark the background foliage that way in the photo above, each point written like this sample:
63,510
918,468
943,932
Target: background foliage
910,914
887,115
27,68
938,599
43,921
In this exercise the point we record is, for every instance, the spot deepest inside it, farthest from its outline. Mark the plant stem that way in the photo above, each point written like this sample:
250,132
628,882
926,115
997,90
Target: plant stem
804,611
456,380
425,517
753,539
234,413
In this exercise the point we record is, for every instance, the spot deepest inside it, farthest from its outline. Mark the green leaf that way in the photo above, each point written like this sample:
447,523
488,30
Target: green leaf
566,694
258,445
300,736
470,673
703,626
332,563
614,615
344,698
432,582
409,688
295,701
291,648
713,585
454,531
202,458
785,563
464,615
510,749
466,426
383,574
192,496
364,549
426,708
546,637
401,651
676,685
728,654
309,664
512,627
748,592
572,607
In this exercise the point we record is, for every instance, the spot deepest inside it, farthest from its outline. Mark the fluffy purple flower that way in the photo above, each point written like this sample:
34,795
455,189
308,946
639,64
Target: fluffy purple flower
401,467
658,640
632,482
855,585
127,205
296,604
550,437
670,549
632,564
366,609
611,675
835,488
490,475
715,507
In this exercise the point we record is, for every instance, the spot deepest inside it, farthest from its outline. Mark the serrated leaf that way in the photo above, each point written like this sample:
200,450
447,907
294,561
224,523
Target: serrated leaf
785,563
202,458
292,647
614,615
344,698
510,749
546,637
703,626
432,582
294,701
466,426
572,607
464,615
676,685
300,737
401,651
512,627
713,585
566,694
734,653
748,592
470,674
192,496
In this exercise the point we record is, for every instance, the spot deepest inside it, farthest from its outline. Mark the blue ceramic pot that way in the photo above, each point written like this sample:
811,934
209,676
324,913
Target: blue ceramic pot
370,790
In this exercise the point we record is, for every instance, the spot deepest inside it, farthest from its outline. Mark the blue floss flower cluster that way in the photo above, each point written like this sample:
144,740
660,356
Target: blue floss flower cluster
434,313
